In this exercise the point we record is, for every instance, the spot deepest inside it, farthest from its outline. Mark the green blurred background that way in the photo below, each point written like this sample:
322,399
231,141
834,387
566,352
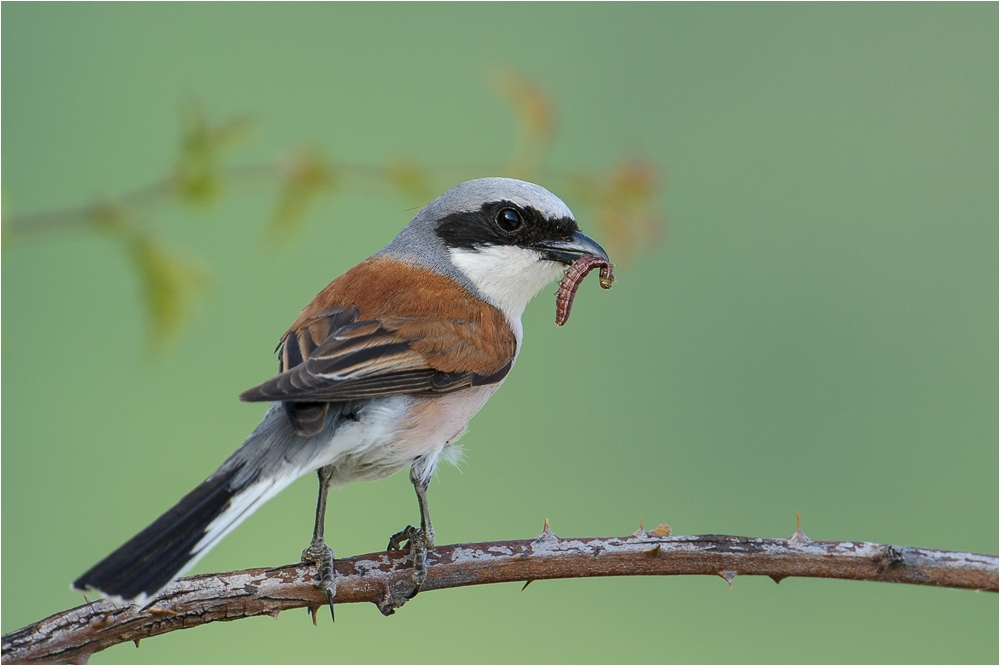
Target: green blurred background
816,333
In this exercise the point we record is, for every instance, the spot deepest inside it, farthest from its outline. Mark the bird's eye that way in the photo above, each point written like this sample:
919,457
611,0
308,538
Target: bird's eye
509,219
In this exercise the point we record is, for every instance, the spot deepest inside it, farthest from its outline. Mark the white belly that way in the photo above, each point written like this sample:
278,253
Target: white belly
392,432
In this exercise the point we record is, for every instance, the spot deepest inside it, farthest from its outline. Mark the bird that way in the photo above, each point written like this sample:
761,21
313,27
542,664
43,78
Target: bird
381,371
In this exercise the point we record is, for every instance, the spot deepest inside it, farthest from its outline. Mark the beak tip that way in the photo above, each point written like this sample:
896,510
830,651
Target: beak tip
591,246
570,250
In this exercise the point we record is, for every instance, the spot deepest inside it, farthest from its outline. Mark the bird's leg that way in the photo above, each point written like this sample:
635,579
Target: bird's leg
419,540
318,552
424,539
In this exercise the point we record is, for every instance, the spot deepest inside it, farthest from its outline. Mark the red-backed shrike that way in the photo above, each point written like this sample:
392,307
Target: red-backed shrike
381,371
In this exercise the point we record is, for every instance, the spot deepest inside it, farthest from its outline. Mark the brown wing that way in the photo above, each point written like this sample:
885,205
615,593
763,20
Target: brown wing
368,359
386,328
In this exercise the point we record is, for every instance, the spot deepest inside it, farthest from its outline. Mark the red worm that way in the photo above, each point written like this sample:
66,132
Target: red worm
571,282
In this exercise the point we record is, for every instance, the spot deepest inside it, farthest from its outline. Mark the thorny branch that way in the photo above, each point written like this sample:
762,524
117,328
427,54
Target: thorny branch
385,580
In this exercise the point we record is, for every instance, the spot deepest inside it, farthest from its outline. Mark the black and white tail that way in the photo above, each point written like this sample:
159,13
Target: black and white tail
267,462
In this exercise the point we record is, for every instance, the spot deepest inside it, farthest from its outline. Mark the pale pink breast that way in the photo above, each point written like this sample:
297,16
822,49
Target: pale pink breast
435,421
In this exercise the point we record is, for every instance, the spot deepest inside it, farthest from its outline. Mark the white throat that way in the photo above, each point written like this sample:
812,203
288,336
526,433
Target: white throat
507,276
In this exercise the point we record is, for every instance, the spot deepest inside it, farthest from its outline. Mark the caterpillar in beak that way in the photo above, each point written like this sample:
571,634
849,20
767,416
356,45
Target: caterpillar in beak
574,277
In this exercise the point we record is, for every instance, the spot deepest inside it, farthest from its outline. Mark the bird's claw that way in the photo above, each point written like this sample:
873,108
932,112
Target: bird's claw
397,540
418,541
321,555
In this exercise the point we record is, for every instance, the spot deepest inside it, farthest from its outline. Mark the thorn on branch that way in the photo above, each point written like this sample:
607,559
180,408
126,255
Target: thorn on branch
546,536
728,575
798,536
161,611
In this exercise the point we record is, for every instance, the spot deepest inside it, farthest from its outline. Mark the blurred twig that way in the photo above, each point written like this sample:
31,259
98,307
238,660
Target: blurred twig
384,579
624,199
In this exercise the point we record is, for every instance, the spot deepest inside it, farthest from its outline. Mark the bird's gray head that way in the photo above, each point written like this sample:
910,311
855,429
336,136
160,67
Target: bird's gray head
503,238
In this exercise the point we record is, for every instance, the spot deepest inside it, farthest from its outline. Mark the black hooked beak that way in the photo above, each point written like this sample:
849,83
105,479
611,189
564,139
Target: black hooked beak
568,251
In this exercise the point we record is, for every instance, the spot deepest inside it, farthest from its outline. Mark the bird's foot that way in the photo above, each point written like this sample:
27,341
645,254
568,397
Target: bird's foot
419,541
321,555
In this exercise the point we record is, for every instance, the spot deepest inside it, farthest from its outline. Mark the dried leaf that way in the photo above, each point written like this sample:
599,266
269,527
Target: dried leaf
628,206
662,530
536,119
533,107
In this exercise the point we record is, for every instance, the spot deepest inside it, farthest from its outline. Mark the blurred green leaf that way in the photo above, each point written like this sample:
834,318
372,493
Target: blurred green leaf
199,173
168,285
309,177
